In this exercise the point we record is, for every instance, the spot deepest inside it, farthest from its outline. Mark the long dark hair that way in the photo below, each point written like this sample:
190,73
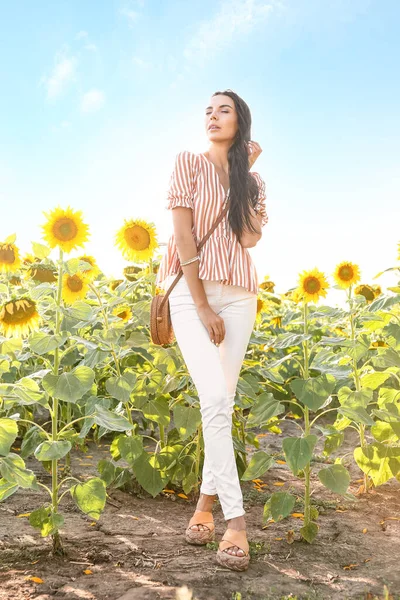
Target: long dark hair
243,191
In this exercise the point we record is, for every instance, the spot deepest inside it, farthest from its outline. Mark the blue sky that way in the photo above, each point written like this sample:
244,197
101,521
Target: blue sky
99,96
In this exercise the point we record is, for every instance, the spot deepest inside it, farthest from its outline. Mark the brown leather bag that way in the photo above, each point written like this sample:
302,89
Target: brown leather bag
161,330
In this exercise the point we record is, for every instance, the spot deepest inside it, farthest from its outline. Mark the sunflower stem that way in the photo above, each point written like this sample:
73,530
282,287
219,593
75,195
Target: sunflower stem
307,468
113,352
357,377
54,416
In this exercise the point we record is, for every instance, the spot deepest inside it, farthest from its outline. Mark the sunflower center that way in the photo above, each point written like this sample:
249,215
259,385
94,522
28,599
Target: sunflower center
137,238
65,229
74,283
312,285
346,273
123,314
18,312
7,255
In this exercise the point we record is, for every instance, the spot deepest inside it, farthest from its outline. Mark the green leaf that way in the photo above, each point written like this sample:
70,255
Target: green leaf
313,392
49,450
383,432
121,387
13,470
333,443
28,392
71,386
8,433
265,407
81,311
46,520
309,532
352,398
259,463
357,414
380,461
130,447
336,478
298,451
90,496
7,489
40,251
40,343
110,420
148,476
33,437
157,410
107,471
282,505
187,419
374,380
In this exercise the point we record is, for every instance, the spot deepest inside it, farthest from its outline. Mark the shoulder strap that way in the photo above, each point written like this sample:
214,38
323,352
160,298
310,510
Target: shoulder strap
200,245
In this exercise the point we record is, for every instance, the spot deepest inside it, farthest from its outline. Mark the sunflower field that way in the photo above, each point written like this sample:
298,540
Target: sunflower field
77,364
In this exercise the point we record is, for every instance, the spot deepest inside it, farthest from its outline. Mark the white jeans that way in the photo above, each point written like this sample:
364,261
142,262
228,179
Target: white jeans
215,372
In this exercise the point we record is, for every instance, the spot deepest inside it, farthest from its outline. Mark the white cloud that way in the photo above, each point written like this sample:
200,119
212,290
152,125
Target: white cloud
81,34
234,17
141,63
91,47
63,73
92,101
131,15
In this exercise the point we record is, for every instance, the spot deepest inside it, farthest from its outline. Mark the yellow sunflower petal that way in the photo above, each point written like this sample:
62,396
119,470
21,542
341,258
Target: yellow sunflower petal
74,287
65,228
19,317
137,240
10,260
346,274
312,285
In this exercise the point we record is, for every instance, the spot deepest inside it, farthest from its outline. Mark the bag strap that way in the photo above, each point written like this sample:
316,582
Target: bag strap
200,245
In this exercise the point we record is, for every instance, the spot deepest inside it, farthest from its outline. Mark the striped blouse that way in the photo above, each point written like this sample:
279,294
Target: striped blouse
195,183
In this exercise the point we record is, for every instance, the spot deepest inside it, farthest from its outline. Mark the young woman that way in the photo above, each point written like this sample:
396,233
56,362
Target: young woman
213,306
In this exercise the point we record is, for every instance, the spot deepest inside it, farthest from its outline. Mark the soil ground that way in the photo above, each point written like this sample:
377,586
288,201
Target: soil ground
136,551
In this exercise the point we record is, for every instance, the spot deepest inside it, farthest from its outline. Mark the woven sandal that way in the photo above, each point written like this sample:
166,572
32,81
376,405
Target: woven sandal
232,537
201,537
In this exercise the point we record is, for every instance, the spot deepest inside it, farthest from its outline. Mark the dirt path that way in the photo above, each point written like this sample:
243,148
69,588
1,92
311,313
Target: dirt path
136,550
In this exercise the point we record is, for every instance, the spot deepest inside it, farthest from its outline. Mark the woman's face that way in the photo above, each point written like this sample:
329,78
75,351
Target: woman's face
221,114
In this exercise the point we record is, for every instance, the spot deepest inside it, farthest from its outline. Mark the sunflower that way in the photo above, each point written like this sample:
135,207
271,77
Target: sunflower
377,290
114,284
267,285
19,317
131,272
378,344
346,274
75,287
398,251
10,260
312,285
41,273
15,280
365,290
65,228
123,312
93,271
29,259
276,321
137,240
260,305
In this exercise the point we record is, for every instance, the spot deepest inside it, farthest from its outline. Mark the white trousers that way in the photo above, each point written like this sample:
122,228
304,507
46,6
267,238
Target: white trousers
215,372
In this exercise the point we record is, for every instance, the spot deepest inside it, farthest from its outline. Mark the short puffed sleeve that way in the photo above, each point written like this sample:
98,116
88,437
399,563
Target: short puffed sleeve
260,206
182,182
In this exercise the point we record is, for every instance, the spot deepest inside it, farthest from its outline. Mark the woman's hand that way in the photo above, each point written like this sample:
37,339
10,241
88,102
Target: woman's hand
214,324
254,149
